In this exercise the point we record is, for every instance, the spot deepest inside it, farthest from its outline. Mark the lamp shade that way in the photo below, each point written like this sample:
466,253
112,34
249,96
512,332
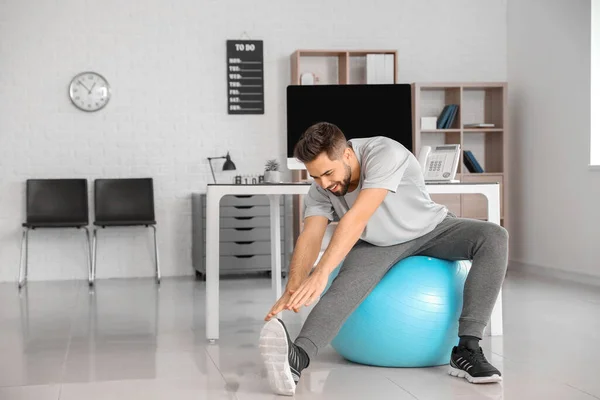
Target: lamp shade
228,165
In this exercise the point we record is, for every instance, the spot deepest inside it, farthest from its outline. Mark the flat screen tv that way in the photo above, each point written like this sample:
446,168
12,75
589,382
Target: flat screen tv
358,110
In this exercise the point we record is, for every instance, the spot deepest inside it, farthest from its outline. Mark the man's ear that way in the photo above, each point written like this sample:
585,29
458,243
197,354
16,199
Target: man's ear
347,153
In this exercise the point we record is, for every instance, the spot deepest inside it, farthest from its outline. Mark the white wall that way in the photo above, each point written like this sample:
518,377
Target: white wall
166,63
595,84
556,197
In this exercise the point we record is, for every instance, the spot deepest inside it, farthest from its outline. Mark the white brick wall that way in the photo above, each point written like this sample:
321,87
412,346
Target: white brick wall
166,64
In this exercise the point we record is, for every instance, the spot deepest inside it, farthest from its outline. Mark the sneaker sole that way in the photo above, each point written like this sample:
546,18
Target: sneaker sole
273,345
459,373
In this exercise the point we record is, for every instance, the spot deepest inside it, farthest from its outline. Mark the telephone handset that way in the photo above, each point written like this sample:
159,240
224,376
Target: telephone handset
441,163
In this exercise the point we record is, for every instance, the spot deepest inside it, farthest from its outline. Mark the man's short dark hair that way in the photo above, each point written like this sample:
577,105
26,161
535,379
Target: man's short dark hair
319,138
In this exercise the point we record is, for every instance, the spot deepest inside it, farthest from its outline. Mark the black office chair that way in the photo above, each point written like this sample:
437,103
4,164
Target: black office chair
124,202
54,203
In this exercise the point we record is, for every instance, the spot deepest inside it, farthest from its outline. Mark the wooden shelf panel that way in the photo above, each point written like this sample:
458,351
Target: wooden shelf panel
441,131
341,52
466,86
321,53
482,130
483,85
362,53
480,174
438,86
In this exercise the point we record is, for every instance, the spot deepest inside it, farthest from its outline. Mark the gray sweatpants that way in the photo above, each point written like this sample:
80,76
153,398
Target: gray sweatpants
485,243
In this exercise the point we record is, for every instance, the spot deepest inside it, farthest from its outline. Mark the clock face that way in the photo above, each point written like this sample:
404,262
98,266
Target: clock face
89,91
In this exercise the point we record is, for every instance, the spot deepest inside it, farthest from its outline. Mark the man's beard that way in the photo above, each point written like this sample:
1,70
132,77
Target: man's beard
345,184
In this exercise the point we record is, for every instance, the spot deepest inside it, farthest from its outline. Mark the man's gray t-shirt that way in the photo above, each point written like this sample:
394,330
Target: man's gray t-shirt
407,212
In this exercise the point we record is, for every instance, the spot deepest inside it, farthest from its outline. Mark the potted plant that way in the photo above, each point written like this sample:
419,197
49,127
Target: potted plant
272,173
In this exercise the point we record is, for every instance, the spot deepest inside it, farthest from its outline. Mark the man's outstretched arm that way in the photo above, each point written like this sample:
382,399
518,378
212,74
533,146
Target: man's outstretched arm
346,234
305,254
306,250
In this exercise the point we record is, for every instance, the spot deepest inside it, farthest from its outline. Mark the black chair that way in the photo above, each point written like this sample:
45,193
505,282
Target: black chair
54,203
124,202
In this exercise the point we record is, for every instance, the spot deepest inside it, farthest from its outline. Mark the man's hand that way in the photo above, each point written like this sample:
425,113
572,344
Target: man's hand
280,304
309,291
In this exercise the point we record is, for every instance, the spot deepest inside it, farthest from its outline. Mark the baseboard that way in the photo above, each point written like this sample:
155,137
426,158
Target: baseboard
552,272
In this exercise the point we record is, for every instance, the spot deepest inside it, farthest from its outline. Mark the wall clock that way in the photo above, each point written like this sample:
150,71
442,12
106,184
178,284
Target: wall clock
89,91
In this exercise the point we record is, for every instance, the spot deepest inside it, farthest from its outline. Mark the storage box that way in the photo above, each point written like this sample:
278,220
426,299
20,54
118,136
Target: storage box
428,123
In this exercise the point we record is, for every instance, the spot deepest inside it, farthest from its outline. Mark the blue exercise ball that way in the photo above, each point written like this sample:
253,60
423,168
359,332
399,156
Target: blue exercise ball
410,318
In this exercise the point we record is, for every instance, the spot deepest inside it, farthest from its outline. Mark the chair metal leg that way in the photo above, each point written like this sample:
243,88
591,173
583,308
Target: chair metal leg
156,256
94,247
89,255
23,264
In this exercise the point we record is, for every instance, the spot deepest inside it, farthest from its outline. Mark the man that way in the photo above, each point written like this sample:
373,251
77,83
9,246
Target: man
376,187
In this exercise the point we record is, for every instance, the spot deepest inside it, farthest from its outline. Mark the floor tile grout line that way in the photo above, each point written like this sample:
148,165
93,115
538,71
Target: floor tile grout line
582,391
403,389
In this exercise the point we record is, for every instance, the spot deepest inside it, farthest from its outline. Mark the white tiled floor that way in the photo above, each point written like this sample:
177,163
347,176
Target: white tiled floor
129,339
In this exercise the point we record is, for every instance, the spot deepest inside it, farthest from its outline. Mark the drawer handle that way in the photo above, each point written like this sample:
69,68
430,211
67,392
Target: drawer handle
243,256
243,229
247,242
243,207
243,196
243,218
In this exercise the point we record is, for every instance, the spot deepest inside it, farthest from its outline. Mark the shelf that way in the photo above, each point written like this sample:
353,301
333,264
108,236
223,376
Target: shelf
439,86
321,53
481,130
461,175
483,85
479,102
440,131
341,52
362,53
480,174
463,85
337,66
470,130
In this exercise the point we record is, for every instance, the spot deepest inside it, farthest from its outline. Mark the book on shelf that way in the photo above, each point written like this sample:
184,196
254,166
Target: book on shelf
479,125
471,162
447,116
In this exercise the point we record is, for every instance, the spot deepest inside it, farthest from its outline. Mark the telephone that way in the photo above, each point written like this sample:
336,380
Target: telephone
441,163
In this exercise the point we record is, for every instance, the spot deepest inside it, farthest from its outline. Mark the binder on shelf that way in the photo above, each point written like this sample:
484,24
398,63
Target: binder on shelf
454,111
443,116
447,116
468,163
471,162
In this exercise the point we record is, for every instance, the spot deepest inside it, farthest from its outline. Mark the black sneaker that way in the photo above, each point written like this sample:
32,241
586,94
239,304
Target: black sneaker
473,366
283,359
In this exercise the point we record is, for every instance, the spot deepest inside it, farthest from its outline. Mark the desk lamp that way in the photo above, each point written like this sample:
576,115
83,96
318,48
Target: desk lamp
228,165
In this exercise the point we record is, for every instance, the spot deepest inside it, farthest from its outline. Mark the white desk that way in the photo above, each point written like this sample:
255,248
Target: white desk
216,191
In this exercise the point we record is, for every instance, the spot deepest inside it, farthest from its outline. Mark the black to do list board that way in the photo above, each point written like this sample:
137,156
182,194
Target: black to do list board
245,77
